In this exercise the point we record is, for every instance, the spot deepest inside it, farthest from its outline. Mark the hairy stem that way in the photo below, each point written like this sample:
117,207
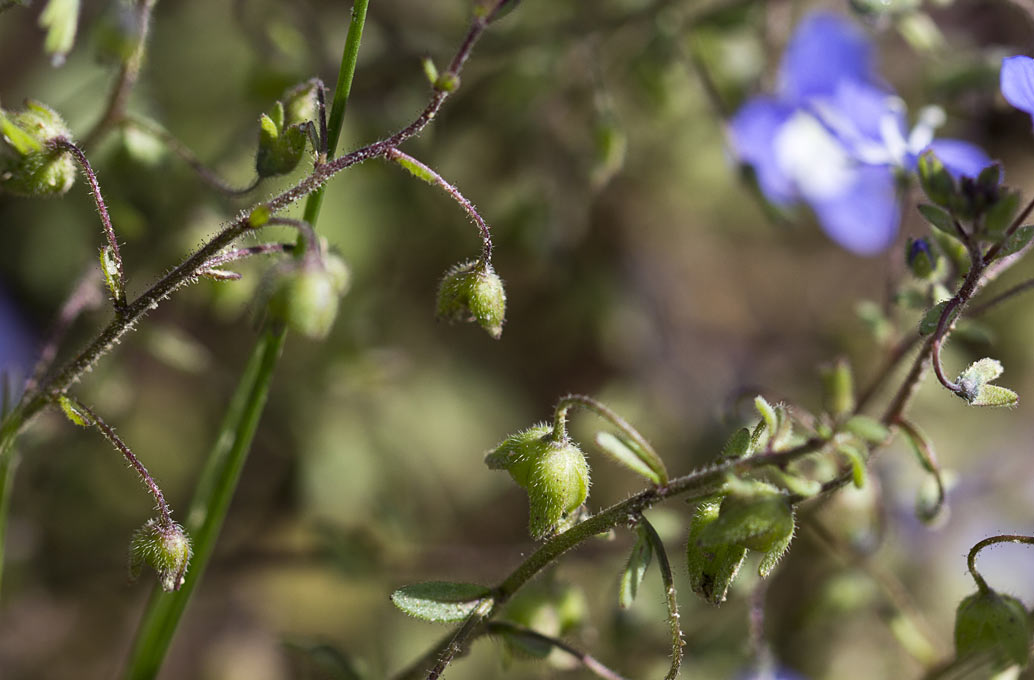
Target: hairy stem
119,293
670,597
127,453
85,296
590,663
652,458
187,156
971,559
127,76
427,174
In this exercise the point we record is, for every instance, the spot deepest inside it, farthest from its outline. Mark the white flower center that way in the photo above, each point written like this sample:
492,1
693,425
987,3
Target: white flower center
813,158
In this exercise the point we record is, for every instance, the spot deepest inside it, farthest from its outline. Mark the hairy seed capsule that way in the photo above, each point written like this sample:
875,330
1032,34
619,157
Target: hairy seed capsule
29,166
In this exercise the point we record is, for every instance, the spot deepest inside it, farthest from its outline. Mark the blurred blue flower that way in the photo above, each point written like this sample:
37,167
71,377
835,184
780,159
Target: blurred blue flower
834,136
16,344
1017,82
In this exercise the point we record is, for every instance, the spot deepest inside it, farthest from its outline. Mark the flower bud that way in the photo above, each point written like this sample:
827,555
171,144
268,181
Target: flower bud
280,146
29,166
472,291
166,547
305,297
301,105
920,258
936,181
990,622
554,473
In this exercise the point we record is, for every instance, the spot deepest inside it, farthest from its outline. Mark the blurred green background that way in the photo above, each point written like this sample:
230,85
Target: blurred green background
639,270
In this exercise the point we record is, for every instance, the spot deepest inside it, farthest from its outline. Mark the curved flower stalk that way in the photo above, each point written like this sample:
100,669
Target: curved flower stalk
835,136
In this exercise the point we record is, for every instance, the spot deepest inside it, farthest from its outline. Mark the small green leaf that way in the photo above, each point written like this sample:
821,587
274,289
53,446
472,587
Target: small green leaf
23,142
524,642
60,18
935,179
73,412
737,446
856,457
770,559
440,601
999,216
430,70
954,249
1018,240
838,388
993,395
932,318
869,429
635,569
418,170
767,413
112,275
938,218
259,216
624,452
799,486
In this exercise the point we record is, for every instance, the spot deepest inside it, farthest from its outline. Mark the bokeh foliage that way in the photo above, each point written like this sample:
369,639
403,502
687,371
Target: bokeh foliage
638,269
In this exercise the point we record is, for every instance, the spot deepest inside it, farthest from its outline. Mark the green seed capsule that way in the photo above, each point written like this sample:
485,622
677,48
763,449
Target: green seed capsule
28,165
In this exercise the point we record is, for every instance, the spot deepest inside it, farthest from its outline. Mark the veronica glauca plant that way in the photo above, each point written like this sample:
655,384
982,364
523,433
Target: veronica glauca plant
794,470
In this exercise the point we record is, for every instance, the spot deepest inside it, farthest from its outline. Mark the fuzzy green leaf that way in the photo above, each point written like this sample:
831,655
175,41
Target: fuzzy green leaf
73,412
994,395
938,218
932,318
60,18
856,457
869,429
635,569
624,452
1018,240
737,446
770,559
439,601
999,216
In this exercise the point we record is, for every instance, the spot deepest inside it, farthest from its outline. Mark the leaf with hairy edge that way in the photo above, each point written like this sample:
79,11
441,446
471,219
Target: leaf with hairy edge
771,559
439,601
635,569
1018,241
624,452
937,217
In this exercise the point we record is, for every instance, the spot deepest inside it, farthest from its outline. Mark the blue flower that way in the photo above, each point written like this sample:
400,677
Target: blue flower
16,343
1017,82
834,136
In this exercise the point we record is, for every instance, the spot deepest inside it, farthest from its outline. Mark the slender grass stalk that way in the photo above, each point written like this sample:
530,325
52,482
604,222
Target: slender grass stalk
222,470
208,509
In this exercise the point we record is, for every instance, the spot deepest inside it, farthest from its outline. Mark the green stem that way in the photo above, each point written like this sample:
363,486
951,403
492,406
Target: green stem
8,465
670,596
349,56
222,470
971,560
211,501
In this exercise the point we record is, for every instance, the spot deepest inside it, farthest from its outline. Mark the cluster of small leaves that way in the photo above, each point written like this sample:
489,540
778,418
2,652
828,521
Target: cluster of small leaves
284,131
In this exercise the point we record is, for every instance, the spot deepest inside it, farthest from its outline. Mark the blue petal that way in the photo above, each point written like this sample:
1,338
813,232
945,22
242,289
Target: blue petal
1018,82
961,159
16,345
865,218
752,132
824,50
855,111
